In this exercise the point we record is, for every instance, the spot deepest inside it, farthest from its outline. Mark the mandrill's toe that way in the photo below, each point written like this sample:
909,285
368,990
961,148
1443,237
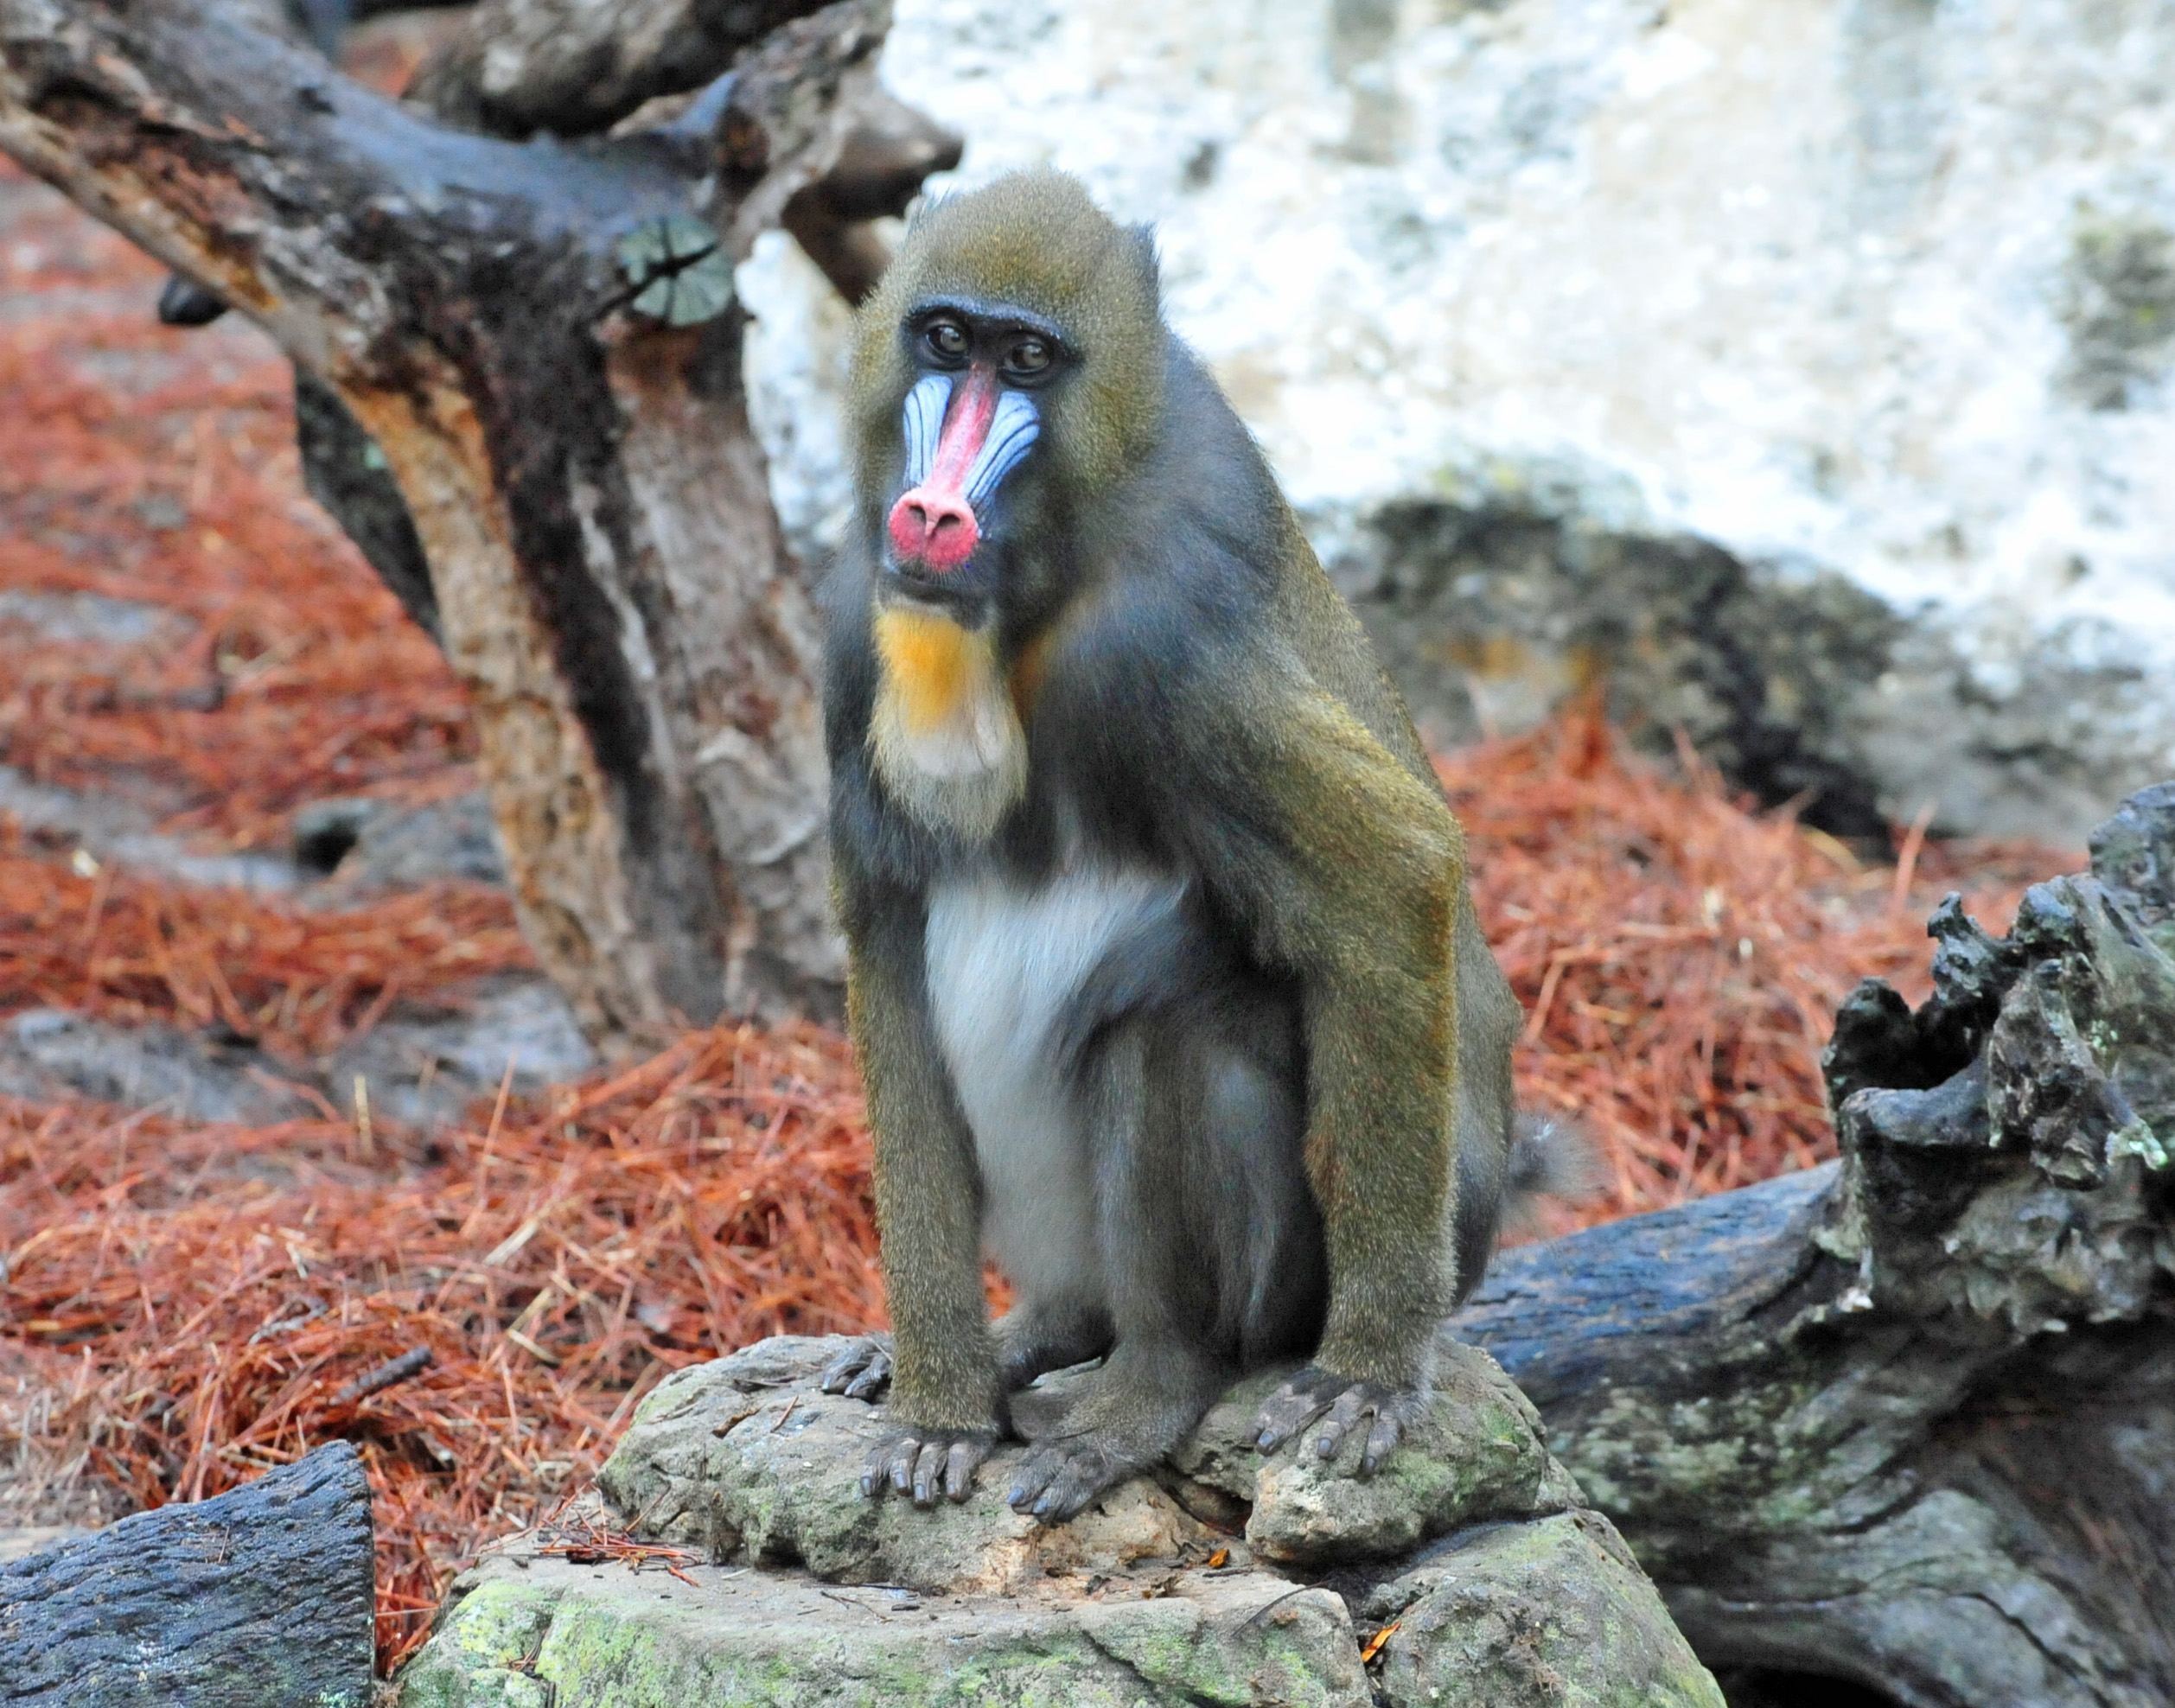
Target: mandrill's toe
1057,1481
1373,1414
922,1464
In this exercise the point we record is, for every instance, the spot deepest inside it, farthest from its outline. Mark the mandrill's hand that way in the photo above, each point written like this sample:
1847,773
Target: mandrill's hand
1352,1406
863,1371
923,1463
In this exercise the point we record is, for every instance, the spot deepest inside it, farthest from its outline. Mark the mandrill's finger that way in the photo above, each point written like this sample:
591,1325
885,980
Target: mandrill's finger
929,1468
1382,1441
861,1371
876,1471
960,1466
904,1451
1032,1478
846,1365
872,1379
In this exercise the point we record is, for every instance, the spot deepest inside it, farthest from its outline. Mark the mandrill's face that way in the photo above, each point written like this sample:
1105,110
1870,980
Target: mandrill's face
980,375
1007,381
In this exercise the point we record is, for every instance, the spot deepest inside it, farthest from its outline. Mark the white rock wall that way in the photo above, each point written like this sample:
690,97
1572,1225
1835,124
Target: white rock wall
1876,296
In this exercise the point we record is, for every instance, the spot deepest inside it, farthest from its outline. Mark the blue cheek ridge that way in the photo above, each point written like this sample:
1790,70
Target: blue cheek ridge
1012,432
924,423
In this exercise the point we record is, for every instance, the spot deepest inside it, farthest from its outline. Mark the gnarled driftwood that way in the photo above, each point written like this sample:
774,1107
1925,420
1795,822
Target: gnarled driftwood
1909,1420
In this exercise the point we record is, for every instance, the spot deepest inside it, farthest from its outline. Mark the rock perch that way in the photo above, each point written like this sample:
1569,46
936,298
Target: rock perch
1471,1571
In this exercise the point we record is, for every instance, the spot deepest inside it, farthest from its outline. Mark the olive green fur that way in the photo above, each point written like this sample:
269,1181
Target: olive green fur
946,1375
1406,1020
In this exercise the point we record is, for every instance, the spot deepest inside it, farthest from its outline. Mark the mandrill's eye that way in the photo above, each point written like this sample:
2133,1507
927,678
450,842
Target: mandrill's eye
1027,360
947,342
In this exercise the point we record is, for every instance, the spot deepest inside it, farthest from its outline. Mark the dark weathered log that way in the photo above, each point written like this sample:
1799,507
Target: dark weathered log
542,342
577,67
258,1599
879,170
1909,1419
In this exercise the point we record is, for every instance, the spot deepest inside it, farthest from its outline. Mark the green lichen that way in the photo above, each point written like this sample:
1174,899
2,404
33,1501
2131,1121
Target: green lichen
1297,1651
1550,1612
580,1640
477,1658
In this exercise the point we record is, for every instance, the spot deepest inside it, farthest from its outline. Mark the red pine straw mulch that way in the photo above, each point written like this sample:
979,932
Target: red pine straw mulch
1681,958
129,948
148,464
184,1307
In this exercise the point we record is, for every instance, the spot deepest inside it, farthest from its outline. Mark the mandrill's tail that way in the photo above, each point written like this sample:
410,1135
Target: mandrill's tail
1550,1158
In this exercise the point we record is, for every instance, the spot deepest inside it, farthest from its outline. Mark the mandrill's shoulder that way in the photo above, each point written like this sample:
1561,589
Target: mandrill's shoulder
1216,592
1194,545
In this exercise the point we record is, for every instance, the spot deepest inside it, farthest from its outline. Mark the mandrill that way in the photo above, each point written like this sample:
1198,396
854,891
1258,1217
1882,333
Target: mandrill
1166,985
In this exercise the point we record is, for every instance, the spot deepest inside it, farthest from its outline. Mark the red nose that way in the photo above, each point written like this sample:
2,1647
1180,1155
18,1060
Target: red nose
932,523
938,528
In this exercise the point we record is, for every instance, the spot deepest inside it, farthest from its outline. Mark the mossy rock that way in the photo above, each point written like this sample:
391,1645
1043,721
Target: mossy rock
544,1633
1202,1585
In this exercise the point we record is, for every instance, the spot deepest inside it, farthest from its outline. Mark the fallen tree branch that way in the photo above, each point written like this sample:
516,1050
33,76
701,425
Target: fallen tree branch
1909,1419
258,1598
391,1374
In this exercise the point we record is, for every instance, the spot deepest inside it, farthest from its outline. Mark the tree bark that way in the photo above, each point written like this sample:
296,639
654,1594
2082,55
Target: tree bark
258,1598
1909,1420
540,340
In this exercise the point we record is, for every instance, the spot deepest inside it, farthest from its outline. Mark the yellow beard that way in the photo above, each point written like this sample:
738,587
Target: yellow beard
946,737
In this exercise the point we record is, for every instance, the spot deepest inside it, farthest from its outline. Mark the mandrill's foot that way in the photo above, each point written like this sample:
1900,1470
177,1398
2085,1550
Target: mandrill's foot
863,1371
1059,1478
923,1464
1352,1407
1136,1409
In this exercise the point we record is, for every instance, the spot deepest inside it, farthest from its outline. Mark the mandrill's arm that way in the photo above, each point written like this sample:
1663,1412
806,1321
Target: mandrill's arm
1347,867
944,1383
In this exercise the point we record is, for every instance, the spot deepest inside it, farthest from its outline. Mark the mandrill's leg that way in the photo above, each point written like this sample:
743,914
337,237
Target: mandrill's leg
1160,1376
1211,1247
1034,1337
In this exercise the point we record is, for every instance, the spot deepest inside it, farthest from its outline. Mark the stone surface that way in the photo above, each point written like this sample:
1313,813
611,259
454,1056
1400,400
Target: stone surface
1547,1612
1226,1579
423,1067
517,1629
1475,1457
1801,366
49,1054
113,828
362,846
76,618
427,1067
744,1459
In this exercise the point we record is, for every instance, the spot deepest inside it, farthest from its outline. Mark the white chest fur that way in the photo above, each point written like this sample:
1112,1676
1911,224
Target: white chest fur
1005,961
